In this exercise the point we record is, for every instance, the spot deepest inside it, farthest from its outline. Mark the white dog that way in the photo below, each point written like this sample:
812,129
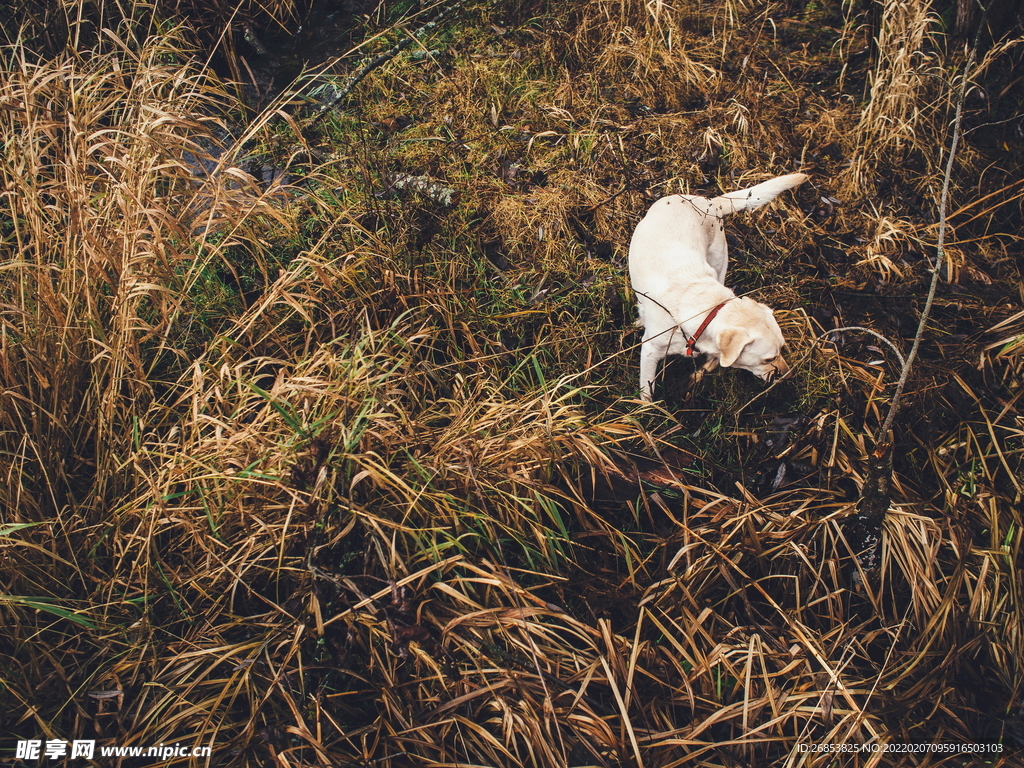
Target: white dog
677,262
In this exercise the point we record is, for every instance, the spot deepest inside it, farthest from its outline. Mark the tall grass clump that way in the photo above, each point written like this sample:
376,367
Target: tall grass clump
899,114
106,208
116,221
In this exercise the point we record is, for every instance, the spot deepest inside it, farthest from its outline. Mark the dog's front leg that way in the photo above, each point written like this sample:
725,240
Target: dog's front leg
650,354
698,375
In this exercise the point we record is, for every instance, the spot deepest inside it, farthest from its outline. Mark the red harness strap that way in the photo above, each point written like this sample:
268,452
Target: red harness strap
692,341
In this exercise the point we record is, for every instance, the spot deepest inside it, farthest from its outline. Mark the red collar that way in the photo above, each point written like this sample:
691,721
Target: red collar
692,341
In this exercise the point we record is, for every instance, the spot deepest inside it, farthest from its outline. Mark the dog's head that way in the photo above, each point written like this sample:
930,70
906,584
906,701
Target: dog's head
748,337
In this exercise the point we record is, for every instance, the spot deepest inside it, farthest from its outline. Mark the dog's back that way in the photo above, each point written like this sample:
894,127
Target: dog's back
690,227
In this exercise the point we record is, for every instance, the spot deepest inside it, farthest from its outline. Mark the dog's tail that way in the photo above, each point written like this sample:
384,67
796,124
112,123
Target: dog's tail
756,196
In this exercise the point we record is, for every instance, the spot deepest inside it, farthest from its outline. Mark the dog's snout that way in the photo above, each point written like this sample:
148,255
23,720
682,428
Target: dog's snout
779,370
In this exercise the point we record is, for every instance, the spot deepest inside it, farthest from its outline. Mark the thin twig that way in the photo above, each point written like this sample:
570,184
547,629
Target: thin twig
876,334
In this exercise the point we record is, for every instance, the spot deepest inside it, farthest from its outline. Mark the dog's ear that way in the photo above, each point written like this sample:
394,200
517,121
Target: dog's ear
731,341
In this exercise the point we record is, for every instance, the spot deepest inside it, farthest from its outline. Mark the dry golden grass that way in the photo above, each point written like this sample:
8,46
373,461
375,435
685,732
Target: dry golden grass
101,202
900,111
337,473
